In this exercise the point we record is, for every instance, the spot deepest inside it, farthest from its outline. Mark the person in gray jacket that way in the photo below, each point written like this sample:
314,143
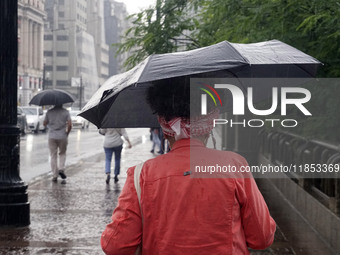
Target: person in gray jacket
59,125
113,143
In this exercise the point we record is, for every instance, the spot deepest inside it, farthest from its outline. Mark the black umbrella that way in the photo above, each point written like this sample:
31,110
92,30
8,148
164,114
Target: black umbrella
52,97
120,102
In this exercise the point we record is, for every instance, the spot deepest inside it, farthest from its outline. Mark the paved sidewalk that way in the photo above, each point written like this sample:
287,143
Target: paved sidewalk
69,218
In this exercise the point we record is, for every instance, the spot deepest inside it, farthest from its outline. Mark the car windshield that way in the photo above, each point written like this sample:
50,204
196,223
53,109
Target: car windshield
30,110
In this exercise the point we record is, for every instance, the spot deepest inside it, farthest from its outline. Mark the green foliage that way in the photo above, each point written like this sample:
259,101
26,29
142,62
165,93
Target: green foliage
312,26
161,29
309,25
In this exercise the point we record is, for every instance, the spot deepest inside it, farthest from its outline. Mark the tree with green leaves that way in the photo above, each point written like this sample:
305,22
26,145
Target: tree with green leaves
161,29
312,26
309,25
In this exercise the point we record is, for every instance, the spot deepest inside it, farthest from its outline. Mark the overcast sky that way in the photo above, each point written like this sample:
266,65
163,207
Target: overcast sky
134,6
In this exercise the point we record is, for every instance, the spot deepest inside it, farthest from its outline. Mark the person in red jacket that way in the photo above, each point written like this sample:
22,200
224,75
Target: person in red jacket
180,211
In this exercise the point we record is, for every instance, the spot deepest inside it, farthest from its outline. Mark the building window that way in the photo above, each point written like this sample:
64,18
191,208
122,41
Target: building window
48,68
62,37
48,37
48,82
61,14
62,68
62,83
62,53
61,26
48,53
61,2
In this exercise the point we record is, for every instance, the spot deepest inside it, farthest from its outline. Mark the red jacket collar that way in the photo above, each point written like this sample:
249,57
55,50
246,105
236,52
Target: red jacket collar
187,143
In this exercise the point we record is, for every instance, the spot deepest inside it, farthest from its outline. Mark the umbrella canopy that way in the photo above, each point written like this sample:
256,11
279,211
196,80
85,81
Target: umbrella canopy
120,101
52,97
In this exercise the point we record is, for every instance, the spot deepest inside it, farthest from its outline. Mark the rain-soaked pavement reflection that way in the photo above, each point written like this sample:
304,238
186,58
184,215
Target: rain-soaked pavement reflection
69,218
34,155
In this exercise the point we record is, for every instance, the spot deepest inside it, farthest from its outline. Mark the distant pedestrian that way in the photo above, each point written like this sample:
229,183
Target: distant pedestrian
113,143
164,142
156,140
58,121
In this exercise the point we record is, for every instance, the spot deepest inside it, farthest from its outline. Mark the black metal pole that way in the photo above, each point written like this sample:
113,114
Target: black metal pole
14,206
44,77
80,93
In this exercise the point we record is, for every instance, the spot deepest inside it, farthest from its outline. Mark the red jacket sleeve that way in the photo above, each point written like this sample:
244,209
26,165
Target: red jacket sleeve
123,235
259,227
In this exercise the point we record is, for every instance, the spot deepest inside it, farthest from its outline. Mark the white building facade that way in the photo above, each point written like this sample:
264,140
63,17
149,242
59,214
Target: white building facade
31,17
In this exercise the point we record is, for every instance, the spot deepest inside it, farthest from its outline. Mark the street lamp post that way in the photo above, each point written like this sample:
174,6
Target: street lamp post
44,76
14,206
80,92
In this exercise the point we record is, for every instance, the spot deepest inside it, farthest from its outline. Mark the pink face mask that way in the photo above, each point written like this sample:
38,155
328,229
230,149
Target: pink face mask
182,128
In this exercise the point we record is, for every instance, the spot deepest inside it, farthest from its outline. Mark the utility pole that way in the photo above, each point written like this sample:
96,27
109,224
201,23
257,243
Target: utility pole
44,76
14,206
80,92
54,44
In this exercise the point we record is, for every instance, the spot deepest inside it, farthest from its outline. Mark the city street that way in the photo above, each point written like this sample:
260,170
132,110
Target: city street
69,218
82,144
258,81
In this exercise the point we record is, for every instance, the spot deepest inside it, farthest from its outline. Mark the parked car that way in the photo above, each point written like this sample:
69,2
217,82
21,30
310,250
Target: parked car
22,122
78,121
35,118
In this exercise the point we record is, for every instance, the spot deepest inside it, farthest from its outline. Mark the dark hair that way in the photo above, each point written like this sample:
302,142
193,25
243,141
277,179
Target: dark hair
172,98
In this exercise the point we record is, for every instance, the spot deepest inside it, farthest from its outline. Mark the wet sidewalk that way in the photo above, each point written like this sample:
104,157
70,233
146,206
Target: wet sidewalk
69,218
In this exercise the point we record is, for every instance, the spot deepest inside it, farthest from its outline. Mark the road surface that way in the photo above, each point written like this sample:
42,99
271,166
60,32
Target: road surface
82,143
